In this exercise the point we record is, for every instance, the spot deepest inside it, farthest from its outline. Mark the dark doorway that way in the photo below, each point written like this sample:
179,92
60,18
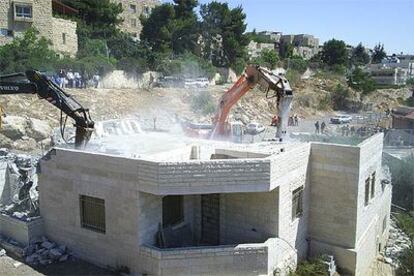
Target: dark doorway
210,219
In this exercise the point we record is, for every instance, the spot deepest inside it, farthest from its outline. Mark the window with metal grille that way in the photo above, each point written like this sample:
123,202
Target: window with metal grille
172,210
63,38
384,224
133,22
6,32
297,205
367,182
92,213
373,185
23,11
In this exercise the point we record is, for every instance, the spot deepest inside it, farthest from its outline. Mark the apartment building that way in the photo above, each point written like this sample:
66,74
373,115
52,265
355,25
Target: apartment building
17,16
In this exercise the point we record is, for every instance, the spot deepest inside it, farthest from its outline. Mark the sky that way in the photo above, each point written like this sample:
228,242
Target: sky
390,22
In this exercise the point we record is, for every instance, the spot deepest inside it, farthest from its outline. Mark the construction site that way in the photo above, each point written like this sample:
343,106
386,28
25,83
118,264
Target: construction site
125,169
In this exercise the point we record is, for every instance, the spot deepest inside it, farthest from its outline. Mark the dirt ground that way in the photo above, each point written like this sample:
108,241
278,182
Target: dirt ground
14,267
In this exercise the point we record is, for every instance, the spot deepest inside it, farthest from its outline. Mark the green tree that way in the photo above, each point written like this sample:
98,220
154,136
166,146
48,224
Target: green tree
268,58
379,53
298,63
361,81
227,27
402,173
359,55
334,52
27,52
98,18
172,27
406,260
340,97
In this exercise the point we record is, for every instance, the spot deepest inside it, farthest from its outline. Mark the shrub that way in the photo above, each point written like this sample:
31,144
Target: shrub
340,97
203,103
298,63
324,103
313,267
361,81
406,260
293,76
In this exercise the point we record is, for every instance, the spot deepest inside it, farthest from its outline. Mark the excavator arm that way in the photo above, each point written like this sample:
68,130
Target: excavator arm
274,86
33,82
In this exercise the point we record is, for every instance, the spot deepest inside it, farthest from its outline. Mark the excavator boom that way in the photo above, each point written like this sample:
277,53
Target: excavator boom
274,86
33,82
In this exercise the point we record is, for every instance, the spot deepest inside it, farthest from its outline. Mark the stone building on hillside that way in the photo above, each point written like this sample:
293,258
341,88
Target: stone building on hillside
218,209
17,16
304,45
132,11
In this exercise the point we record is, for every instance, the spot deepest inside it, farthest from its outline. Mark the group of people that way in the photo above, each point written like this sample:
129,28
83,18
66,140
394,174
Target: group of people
293,120
72,79
320,128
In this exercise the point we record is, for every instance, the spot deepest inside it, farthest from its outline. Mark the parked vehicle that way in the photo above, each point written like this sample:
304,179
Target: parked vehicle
169,81
341,119
196,83
255,128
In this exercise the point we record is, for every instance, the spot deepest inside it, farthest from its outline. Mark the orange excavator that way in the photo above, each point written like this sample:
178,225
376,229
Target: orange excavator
272,85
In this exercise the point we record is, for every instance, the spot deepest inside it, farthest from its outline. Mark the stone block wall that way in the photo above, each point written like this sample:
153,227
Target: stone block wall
49,27
127,15
64,37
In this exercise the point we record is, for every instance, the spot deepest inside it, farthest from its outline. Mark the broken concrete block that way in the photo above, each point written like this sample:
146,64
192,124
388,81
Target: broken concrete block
64,258
2,252
62,248
47,245
55,254
32,258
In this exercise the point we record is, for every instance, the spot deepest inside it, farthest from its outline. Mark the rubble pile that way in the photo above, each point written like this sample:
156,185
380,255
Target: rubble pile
398,241
18,185
45,252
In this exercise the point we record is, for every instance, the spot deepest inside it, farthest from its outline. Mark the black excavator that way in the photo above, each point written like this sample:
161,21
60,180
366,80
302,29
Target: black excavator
33,82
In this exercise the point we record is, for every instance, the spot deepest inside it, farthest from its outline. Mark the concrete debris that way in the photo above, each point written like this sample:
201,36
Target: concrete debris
18,185
44,252
2,253
398,241
17,264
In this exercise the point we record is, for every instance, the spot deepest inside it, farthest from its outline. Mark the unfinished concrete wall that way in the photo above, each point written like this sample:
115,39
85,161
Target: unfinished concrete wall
65,177
21,231
340,219
334,190
249,217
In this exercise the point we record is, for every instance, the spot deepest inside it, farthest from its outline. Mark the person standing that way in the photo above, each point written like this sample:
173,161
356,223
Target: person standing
323,125
317,127
296,118
70,78
62,78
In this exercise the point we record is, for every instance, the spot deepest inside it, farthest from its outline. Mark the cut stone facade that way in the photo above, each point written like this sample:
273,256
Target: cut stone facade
260,230
132,11
38,14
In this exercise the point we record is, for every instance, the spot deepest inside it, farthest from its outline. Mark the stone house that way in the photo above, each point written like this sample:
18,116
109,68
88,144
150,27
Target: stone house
304,45
132,11
403,117
17,16
255,48
219,209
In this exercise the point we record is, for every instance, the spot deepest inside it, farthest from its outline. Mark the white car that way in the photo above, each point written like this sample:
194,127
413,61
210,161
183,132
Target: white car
255,128
341,119
196,83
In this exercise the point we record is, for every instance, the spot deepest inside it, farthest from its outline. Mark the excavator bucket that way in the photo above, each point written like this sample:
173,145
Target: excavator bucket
82,137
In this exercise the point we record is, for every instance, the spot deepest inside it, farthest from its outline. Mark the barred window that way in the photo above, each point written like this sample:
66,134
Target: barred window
384,224
373,185
367,182
297,205
92,213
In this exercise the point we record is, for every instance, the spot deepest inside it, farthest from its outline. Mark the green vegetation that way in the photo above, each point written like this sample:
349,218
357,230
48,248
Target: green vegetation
334,52
203,103
297,63
361,81
313,267
359,55
268,58
406,259
259,38
379,53
403,182
410,81
340,97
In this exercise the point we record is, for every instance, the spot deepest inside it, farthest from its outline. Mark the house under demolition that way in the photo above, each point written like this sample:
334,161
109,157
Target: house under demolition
217,208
